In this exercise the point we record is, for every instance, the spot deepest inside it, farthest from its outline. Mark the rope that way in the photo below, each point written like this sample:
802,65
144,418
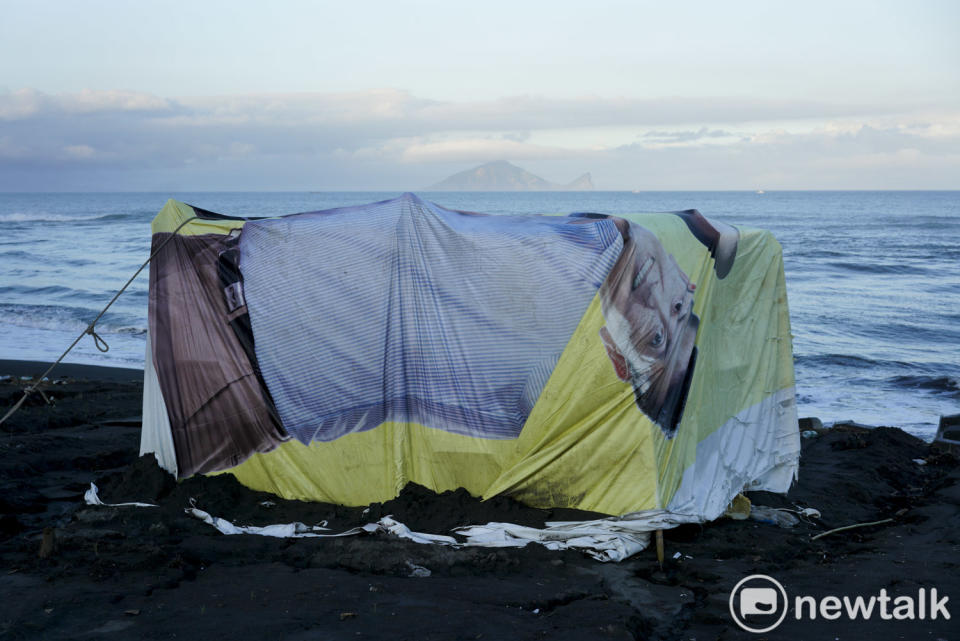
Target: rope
97,339
850,527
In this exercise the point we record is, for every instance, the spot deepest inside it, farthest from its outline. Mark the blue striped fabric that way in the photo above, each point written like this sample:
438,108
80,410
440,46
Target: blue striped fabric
405,311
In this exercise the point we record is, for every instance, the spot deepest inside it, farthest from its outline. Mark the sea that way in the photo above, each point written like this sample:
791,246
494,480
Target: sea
873,279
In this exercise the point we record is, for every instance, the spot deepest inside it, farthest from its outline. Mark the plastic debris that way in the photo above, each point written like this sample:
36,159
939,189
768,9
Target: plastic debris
808,512
773,516
92,497
739,508
279,530
387,524
418,571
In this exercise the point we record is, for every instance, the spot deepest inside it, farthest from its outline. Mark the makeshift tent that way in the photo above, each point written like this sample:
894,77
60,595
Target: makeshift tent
615,364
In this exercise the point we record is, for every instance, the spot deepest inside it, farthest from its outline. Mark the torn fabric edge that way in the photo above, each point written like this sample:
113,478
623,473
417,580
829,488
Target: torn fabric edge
611,539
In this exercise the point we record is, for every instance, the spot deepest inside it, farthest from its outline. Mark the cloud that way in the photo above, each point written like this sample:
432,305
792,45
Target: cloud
660,138
683,136
88,101
473,150
535,112
835,155
21,104
389,138
80,151
30,103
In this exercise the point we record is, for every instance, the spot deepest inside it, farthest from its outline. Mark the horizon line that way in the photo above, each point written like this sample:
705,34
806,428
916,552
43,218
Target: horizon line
466,191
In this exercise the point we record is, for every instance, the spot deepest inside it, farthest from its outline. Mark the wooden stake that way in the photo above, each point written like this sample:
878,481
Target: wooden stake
660,547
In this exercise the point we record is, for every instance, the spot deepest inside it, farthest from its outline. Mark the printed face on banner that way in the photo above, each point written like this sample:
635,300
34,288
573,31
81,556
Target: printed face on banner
647,303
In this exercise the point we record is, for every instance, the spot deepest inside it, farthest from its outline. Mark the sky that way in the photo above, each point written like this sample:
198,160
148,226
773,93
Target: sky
183,96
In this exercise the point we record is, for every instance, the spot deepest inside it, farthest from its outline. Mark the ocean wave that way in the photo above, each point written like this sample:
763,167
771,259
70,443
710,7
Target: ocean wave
69,319
875,268
849,360
947,384
948,253
35,217
57,293
928,331
925,222
847,370
815,253
17,242
48,217
18,253
46,291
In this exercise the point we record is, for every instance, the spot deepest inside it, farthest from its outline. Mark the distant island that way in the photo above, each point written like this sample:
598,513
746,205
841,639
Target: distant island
504,176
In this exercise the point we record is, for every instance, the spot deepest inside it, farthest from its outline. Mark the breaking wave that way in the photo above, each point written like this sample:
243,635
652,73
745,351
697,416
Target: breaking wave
944,384
69,319
848,360
874,268
48,217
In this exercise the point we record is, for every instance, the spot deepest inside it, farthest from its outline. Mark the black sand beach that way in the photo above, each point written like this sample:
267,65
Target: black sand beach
70,571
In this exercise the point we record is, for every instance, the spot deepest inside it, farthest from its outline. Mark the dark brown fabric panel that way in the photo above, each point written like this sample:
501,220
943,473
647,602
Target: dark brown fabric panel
219,412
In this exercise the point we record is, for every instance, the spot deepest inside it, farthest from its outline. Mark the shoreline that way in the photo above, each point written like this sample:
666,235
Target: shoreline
18,368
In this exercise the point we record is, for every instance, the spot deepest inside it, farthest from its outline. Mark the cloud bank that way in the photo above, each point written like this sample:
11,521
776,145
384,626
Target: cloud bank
390,139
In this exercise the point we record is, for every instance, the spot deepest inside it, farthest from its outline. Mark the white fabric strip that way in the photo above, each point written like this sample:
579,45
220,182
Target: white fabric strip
294,530
92,497
155,435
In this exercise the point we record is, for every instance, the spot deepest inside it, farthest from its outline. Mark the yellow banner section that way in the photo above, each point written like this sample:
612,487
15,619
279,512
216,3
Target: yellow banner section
175,213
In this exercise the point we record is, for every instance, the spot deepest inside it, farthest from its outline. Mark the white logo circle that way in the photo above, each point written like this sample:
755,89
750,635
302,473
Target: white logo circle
758,599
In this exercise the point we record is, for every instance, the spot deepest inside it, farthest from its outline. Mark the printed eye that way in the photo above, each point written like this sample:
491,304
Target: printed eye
657,339
677,305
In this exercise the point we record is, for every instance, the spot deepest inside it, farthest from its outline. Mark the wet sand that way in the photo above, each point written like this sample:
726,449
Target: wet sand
70,571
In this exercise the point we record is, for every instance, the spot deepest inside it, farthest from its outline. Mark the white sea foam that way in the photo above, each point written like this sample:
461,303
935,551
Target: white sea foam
46,345
916,412
66,319
49,217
